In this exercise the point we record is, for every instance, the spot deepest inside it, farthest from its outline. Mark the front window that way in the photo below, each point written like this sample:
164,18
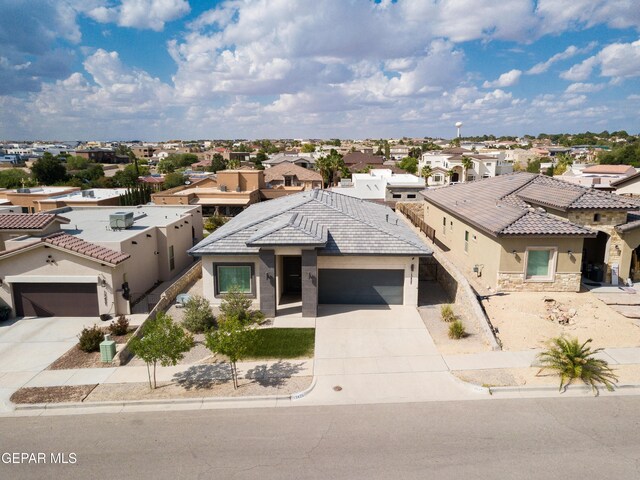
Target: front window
234,276
172,260
397,195
540,264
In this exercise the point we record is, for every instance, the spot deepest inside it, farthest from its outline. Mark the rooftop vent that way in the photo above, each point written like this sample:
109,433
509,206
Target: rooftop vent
121,220
222,188
88,194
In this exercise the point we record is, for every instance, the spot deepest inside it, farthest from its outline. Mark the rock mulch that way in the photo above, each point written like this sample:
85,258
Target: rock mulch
559,313
61,394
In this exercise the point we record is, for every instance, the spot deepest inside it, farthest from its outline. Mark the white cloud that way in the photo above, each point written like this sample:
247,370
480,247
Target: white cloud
560,15
584,87
569,52
618,61
507,79
142,14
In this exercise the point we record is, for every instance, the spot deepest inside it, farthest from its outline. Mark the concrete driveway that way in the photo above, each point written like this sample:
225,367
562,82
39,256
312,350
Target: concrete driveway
378,354
29,345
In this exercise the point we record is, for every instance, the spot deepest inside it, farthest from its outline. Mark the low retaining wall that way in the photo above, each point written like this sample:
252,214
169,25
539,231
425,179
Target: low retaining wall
458,288
168,296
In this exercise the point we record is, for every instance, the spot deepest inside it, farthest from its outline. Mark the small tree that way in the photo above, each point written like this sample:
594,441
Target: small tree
198,316
214,222
233,339
162,341
572,360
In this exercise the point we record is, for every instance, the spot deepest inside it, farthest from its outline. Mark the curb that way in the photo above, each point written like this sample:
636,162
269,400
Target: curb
573,388
179,401
474,387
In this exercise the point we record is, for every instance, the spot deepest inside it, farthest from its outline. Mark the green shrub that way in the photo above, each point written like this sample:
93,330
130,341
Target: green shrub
198,316
236,305
119,326
5,312
214,222
456,330
90,339
573,360
446,311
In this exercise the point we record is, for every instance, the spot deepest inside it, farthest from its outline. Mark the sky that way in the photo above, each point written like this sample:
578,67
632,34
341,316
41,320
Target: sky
194,69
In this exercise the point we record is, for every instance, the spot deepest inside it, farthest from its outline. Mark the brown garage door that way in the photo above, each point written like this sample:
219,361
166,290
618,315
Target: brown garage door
56,299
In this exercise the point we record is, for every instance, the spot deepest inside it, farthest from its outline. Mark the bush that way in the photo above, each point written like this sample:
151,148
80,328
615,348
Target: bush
456,330
119,326
198,316
90,339
446,311
5,312
237,305
572,360
214,222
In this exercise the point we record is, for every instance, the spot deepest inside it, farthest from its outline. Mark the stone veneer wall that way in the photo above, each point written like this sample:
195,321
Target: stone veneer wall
514,282
607,223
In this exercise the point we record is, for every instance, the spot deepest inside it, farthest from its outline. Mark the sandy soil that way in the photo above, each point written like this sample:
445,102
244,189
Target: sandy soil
52,394
531,376
141,391
76,358
522,324
439,330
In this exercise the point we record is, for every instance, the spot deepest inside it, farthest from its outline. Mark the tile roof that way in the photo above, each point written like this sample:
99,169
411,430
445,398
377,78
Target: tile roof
352,227
75,244
608,169
503,205
359,157
28,221
278,172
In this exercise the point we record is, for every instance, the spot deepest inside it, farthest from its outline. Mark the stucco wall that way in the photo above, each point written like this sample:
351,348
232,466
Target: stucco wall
380,262
208,286
63,269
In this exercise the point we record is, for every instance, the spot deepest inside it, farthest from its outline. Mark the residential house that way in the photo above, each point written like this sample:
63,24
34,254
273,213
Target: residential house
598,176
359,158
102,155
92,197
529,232
398,152
301,160
28,199
447,166
628,186
143,151
383,185
319,247
88,261
286,174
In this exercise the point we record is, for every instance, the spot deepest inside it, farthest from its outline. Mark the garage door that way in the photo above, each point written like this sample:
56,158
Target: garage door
56,299
361,287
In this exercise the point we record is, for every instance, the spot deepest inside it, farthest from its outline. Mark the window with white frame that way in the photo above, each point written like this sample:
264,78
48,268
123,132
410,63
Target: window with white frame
540,264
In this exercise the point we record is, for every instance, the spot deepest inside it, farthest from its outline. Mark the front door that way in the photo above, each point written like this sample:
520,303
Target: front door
292,275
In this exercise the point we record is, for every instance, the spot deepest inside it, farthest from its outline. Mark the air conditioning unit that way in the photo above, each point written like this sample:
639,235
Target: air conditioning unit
121,220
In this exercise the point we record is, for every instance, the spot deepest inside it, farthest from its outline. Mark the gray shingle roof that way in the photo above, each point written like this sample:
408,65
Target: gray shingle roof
344,225
503,205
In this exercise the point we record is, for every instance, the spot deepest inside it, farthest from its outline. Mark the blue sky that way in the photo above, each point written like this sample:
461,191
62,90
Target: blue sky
164,69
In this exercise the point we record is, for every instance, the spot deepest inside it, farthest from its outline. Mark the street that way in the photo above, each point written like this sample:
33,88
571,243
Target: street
534,438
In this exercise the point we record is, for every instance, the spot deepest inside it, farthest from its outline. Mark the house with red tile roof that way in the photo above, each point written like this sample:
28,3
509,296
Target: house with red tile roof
89,261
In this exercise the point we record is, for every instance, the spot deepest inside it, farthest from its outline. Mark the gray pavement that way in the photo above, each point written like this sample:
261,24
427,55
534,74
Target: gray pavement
524,439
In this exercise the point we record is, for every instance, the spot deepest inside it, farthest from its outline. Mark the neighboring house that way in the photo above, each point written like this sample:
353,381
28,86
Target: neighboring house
28,199
286,174
448,165
145,151
598,176
102,155
528,232
92,197
10,159
98,254
320,247
383,185
301,160
628,186
398,152
228,194
13,225
364,159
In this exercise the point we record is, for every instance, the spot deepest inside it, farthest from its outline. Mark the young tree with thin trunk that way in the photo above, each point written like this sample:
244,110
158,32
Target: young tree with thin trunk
232,339
162,341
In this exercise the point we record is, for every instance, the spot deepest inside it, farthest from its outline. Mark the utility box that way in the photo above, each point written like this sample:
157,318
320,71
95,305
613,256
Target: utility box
107,349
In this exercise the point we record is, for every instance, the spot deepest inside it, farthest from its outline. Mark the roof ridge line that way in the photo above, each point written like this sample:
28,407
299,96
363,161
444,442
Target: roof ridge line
370,224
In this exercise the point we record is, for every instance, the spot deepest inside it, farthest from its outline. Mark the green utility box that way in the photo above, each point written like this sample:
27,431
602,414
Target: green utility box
107,349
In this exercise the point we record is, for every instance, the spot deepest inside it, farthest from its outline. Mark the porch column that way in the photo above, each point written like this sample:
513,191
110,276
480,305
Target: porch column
267,275
309,283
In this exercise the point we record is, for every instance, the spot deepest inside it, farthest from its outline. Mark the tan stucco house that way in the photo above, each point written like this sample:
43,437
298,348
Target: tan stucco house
528,232
316,247
97,261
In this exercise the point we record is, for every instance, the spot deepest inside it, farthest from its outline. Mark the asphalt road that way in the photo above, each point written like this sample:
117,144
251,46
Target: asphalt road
567,438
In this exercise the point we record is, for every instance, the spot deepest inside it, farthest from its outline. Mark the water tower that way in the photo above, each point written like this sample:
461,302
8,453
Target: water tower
458,125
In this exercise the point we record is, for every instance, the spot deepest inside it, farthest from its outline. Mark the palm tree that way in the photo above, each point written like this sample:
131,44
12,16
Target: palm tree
572,360
426,172
467,164
449,174
330,166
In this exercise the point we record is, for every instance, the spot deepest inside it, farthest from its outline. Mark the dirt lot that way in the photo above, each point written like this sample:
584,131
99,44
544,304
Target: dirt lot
521,319
52,394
